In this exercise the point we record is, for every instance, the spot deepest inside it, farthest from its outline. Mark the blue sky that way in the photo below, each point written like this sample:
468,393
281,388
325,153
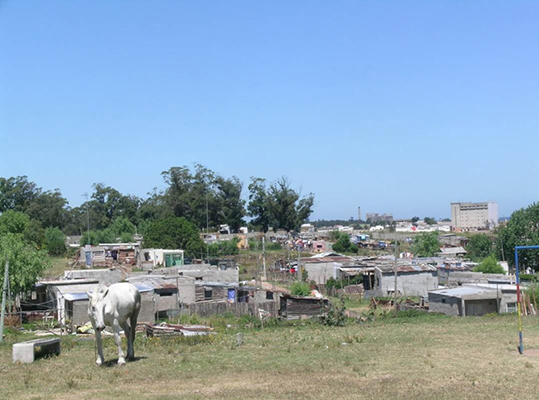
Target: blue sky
398,107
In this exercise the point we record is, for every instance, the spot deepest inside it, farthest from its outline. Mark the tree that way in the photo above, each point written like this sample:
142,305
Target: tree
20,224
489,266
55,241
16,193
344,245
415,219
429,221
479,246
231,205
203,197
174,233
258,207
107,204
426,244
49,208
278,205
26,264
521,230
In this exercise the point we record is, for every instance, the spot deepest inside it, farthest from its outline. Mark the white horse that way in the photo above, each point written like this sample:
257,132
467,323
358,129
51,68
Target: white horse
113,306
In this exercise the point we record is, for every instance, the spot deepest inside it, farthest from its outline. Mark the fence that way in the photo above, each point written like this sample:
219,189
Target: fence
205,309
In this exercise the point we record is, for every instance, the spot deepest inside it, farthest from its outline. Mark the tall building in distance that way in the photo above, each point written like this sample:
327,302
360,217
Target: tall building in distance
474,216
375,217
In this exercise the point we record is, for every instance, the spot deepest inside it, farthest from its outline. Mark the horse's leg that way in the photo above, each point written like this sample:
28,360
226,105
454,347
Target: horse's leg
133,324
100,358
118,341
127,331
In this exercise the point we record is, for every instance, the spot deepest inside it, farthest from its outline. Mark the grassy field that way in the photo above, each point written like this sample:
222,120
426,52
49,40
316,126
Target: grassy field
429,357
58,266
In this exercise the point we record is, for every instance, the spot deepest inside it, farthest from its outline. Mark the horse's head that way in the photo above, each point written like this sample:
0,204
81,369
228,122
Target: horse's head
96,307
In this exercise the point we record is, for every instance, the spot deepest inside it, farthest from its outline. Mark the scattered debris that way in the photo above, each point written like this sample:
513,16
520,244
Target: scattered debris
164,329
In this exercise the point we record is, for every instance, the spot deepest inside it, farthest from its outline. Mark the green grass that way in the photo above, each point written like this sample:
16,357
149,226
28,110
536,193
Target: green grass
411,356
59,265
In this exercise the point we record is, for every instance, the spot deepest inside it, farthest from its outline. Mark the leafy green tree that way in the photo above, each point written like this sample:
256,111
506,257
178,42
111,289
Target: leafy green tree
19,223
14,222
344,245
231,205
50,209
278,205
521,230
489,266
17,193
203,197
426,244
415,219
107,204
258,207
174,233
429,221
26,264
479,246
55,241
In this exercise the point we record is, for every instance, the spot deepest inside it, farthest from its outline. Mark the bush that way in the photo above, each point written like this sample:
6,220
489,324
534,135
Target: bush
489,266
335,315
225,248
273,246
426,244
338,284
528,278
55,242
300,289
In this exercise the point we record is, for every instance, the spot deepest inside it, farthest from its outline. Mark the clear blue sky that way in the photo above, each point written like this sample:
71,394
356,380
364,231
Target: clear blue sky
399,107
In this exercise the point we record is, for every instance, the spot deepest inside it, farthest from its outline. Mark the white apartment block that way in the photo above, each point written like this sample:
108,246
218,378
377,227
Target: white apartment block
474,216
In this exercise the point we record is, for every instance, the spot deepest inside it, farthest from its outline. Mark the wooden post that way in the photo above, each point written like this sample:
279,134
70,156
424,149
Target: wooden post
396,273
4,290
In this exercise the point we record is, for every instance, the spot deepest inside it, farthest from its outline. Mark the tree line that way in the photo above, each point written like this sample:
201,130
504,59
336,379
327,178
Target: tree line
199,195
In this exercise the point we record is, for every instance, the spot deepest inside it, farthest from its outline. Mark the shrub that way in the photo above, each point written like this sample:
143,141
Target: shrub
273,246
489,266
300,289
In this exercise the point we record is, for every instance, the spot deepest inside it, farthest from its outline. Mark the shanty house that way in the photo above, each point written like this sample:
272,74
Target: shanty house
412,279
321,267
474,300
153,258
300,307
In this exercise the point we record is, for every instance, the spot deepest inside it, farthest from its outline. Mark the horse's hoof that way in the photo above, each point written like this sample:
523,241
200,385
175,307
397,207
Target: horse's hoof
121,361
99,361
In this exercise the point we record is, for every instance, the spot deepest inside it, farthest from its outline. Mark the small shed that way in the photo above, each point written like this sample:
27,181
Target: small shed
301,307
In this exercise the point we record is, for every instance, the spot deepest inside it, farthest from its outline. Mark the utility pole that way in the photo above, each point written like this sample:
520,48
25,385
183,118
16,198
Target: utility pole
87,213
300,275
264,255
4,290
396,273
207,228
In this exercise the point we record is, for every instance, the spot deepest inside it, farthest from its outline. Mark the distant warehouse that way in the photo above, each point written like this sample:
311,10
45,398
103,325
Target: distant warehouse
474,216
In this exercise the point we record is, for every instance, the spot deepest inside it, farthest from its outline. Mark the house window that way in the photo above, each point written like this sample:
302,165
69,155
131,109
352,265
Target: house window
511,307
269,295
443,300
207,294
